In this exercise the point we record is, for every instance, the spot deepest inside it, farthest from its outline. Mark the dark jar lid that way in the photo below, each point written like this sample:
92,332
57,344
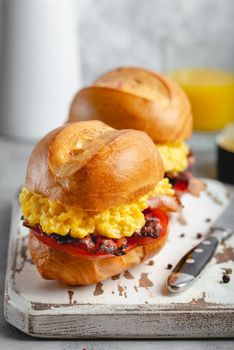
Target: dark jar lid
225,154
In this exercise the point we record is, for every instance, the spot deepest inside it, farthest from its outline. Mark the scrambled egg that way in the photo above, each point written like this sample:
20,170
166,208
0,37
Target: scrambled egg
113,223
174,156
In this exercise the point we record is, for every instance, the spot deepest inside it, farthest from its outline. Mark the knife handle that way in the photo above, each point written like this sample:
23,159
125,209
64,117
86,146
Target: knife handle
191,265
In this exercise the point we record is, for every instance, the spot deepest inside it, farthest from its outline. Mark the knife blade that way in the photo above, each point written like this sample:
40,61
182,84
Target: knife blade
192,263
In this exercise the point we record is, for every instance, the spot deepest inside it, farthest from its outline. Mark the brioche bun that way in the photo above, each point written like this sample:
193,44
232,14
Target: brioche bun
91,166
54,264
139,99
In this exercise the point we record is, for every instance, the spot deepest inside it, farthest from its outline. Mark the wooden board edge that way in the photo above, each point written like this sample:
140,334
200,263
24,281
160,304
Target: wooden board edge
185,324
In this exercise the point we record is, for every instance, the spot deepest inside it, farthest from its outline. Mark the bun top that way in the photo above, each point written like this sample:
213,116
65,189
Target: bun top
136,98
91,166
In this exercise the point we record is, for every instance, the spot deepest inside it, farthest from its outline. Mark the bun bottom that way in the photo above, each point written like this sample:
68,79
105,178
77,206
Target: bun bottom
54,264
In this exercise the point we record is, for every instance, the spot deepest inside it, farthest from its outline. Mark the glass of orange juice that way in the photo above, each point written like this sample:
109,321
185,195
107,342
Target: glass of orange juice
206,73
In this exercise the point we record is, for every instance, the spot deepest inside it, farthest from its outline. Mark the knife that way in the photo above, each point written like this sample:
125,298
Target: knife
193,262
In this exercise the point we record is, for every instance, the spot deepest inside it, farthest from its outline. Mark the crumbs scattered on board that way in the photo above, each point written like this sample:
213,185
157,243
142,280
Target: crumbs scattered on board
98,289
150,263
226,255
225,279
226,275
70,296
214,198
169,266
122,291
116,277
128,275
144,281
200,301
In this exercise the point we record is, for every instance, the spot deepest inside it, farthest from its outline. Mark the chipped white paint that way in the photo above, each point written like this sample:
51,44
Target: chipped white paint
133,304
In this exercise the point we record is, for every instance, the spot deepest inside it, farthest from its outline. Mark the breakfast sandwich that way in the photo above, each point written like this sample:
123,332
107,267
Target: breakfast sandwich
140,99
95,202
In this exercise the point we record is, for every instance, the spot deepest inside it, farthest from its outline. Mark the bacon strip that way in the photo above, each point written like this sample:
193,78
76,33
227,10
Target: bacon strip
171,203
96,243
196,186
186,182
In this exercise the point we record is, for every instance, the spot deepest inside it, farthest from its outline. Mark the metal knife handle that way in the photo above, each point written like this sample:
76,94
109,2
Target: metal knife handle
190,266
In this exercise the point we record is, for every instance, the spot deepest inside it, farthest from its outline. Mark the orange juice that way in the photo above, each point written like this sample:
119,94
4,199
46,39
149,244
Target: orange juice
211,93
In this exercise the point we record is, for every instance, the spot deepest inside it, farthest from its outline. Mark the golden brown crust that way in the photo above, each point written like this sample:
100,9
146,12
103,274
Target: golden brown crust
136,98
90,166
57,265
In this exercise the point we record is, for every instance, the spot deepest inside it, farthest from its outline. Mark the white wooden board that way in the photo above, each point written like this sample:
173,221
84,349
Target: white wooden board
136,303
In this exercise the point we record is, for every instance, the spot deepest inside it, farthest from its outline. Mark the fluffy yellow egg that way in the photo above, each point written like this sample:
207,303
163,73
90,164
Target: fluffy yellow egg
174,156
113,223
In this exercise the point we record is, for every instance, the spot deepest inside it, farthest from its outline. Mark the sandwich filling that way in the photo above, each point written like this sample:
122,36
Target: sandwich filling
98,246
118,222
112,231
174,156
178,161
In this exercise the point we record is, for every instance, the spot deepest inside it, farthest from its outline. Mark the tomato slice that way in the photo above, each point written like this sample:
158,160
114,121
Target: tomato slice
181,185
164,220
79,249
163,217
180,182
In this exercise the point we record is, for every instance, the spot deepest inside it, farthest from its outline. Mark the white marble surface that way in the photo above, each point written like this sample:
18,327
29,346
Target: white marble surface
13,159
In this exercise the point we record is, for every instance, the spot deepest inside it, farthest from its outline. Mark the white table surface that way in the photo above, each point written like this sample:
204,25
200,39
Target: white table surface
13,160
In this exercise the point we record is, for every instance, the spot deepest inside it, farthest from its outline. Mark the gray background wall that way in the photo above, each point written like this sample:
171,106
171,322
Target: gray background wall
130,32
133,32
